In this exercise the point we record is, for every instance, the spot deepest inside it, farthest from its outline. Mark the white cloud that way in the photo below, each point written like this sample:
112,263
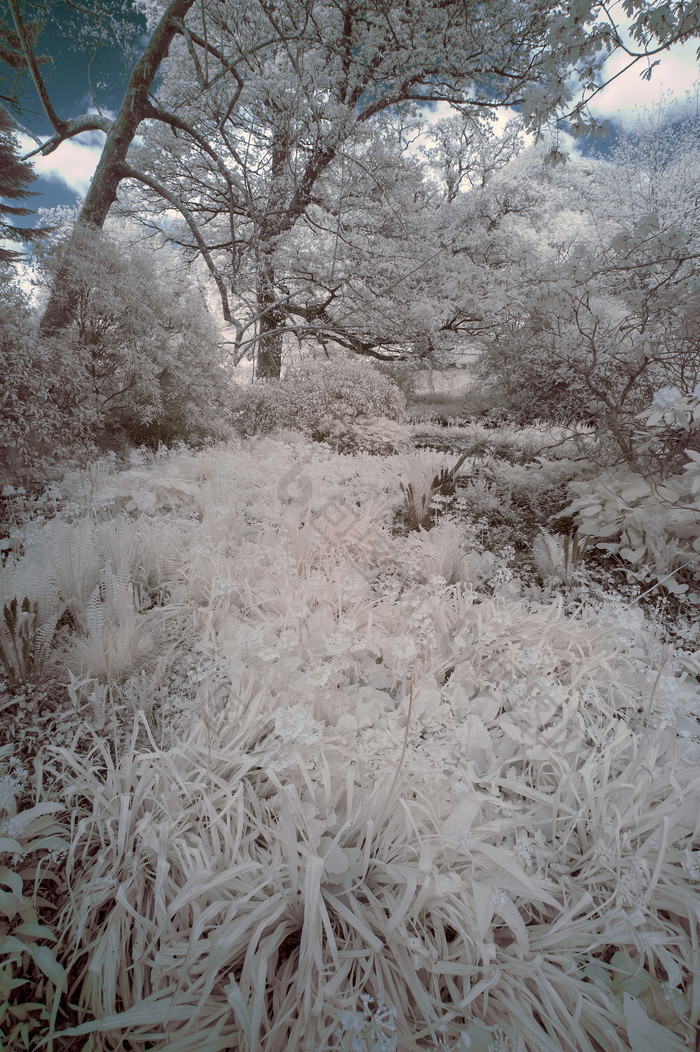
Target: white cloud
73,163
676,74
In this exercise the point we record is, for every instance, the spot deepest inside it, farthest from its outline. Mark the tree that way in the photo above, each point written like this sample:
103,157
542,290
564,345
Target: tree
120,132
262,96
31,426
245,142
15,179
599,305
143,349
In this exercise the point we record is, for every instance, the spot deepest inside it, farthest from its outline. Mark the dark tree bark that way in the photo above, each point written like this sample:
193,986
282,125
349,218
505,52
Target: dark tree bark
271,323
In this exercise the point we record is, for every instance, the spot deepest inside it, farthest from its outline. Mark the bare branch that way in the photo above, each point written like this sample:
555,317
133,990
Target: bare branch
127,172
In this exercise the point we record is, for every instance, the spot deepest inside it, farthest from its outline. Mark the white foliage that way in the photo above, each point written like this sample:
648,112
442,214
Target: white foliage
544,811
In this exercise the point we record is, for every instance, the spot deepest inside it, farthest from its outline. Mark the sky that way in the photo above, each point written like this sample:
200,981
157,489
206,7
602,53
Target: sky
65,174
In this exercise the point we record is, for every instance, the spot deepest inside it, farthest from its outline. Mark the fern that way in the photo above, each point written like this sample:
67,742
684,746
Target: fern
557,556
74,565
423,484
95,618
118,592
24,640
440,552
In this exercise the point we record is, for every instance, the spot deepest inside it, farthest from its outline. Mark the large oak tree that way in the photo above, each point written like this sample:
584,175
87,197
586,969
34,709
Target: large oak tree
259,99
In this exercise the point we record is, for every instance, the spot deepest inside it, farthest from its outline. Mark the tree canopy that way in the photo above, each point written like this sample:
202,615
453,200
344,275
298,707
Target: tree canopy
16,177
250,115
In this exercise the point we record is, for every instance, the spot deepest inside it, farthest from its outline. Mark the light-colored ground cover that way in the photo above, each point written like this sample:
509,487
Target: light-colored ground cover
362,765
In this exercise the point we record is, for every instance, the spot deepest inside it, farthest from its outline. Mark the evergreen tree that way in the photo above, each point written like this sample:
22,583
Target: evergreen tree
16,177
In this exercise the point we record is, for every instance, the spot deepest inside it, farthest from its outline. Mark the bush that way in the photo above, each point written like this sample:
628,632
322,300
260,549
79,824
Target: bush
403,374
140,345
35,426
323,400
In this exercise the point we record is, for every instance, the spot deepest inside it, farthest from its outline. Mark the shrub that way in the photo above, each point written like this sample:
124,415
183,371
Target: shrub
34,425
655,530
322,400
651,518
403,374
142,350
373,434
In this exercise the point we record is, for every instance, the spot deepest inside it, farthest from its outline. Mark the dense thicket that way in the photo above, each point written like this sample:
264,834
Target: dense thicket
140,362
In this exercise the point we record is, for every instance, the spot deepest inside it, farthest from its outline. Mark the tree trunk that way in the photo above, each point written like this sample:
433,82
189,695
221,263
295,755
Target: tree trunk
271,318
271,321
103,188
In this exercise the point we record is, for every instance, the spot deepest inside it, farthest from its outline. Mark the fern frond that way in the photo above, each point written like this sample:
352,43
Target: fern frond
118,592
74,564
548,551
557,556
95,613
45,634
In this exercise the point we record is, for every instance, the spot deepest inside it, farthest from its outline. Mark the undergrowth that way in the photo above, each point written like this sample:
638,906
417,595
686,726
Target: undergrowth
291,775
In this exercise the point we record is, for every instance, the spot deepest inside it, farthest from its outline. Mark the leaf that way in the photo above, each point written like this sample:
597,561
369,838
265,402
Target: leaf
12,945
483,906
48,843
596,529
668,493
11,879
10,904
644,1034
47,807
34,931
463,815
632,555
45,959
635,490
335,861
511,915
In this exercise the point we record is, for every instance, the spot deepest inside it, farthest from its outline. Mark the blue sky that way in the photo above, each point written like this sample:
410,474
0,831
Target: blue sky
65,174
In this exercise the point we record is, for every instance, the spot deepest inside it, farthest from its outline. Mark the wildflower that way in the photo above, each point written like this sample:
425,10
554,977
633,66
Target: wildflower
691,863
8,785
13,827
499,899
666,398
501,1042
462,837
463,639
374,1031
523,849
288,639
296,725
56,855
531,658
404,648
